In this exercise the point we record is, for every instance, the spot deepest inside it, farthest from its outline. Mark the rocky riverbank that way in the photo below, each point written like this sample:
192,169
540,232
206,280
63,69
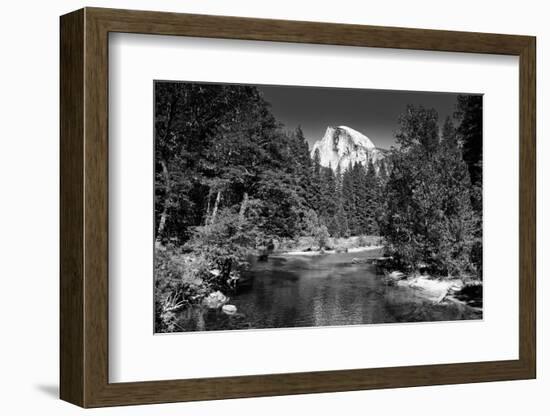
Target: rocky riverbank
307,246
440,290
336,251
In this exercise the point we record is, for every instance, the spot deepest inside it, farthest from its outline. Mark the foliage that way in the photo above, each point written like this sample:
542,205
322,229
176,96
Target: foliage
360,199
215,140
428,217
212,261
316,228
226,242
180,281
470,132
418,127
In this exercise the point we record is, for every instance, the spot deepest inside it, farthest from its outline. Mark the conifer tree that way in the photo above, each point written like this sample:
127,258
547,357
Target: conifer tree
328,204
348,199
448,134
340,218
470,130
316,188
470,133
300,153
362,209
372,196
428,216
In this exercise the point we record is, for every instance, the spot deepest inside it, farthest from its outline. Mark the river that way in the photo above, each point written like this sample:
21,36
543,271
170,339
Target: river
324,290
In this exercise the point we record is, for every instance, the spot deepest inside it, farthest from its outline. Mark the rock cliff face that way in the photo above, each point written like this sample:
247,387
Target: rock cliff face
345,146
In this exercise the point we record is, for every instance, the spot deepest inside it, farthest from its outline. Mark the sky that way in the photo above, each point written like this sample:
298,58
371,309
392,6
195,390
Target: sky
371,112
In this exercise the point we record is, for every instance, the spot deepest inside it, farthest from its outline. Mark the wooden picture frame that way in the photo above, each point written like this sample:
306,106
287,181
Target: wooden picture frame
84,207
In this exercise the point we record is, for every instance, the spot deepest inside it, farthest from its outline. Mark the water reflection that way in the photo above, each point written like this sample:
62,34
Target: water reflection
327,290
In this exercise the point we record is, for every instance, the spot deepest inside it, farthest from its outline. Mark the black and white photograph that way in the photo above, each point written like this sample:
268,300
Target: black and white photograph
298,206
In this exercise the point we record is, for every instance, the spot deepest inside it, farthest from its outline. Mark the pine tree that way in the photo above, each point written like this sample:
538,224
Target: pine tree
348,200
340,219
328,204
418,127
470,130
372,197
448,134
362,201
315,197
300,153
428,216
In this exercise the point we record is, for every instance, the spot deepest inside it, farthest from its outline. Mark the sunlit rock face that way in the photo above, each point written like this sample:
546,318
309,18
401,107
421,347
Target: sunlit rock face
343,146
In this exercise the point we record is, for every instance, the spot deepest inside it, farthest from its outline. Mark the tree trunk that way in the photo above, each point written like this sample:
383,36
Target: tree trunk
164,214
167,188
207,216
242,210
216,205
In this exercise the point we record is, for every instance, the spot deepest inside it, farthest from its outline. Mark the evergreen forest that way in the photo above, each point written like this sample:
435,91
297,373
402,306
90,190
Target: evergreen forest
231,181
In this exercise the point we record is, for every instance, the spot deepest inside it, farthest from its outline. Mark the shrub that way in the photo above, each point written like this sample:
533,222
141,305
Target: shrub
314,227
180,281
225,244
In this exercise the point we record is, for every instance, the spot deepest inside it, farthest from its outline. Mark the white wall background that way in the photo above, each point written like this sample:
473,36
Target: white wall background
29,85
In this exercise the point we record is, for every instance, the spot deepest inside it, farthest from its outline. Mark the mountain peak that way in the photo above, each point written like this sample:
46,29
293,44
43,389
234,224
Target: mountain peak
343,146
357,137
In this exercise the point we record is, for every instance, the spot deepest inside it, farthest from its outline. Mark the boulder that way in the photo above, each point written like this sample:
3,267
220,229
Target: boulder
215,300
229,309
433,289
395,275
